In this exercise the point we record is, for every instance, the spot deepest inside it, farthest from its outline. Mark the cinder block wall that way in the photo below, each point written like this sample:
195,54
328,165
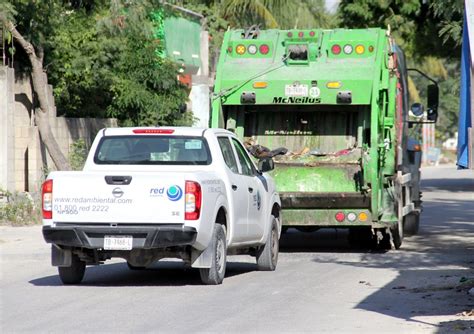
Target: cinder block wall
28,159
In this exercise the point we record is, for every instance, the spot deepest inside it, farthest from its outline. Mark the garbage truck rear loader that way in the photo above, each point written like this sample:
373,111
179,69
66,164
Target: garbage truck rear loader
337,102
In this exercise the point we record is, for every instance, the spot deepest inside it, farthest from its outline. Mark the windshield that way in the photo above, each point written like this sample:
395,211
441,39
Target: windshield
152,150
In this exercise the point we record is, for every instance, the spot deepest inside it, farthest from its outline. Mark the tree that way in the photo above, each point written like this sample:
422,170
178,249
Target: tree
430,34
36,56
300,14
422,28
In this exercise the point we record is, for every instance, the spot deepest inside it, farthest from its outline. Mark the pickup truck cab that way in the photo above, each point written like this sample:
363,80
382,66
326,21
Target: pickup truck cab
149,193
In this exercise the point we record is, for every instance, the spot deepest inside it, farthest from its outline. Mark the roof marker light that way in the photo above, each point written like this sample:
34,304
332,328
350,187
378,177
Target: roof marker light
240,49
336,49
260,84
347,49
359,49
153,131
264,49
252,49
334,84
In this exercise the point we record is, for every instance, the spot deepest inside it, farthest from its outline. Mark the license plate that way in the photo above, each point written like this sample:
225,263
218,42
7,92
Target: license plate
296,90
118,242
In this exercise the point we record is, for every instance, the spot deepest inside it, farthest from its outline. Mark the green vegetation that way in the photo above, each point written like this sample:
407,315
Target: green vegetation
101,55
19,209
78,154
430,33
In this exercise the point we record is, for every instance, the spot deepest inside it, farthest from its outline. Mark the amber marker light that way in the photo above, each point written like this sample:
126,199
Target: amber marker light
260,84
363,217
240,49
371,48
359,49
334,84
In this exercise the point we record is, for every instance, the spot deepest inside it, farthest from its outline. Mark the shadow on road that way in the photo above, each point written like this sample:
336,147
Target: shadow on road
325,240
454,185
434,268
163,273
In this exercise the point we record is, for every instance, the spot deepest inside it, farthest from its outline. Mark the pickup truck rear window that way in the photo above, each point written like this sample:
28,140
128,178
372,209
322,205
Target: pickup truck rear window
152,150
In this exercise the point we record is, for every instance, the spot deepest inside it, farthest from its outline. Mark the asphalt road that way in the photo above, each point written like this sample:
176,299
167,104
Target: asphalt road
320,285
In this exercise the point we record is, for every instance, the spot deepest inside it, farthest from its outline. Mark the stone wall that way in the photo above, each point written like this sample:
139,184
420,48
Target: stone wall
23,158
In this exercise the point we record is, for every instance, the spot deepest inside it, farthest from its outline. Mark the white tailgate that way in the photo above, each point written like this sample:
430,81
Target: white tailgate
86,197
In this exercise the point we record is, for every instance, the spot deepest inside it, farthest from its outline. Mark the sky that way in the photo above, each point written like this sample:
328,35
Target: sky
331,5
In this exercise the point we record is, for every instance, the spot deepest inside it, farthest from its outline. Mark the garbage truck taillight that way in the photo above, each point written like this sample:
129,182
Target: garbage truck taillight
193,200
47,199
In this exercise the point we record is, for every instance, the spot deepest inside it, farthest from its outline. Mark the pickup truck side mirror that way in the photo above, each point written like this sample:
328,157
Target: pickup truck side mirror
265,165
433,102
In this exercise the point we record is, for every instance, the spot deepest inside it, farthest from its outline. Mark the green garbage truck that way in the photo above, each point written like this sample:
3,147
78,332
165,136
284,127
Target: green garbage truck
331,108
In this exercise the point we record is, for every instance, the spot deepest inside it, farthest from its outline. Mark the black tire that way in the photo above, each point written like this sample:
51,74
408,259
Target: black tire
267,255
132,267
411,224
216,273
361,237
73,274
397,231
397,236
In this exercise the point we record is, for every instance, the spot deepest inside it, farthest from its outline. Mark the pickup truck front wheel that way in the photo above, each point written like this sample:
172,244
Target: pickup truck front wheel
215,274
74,273
267,255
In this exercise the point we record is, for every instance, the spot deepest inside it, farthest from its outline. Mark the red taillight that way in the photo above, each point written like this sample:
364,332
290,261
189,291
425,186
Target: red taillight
312,33
264,48
300,34
47,199
340,216
192,200
289,34
153,131
336,49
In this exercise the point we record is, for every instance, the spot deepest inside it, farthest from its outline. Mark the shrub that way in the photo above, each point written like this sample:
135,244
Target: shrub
19,209
78,154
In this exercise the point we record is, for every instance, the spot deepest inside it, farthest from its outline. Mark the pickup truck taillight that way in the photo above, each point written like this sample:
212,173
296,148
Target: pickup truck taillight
47,199
193,200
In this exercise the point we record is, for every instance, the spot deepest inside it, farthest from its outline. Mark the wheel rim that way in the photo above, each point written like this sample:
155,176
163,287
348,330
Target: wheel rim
274,245
220,255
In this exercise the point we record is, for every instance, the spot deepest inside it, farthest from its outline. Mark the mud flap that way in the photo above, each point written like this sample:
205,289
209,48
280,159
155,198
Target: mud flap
202,259
60,257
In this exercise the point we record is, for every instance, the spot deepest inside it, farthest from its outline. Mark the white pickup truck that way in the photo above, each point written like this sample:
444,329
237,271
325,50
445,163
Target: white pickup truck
152,193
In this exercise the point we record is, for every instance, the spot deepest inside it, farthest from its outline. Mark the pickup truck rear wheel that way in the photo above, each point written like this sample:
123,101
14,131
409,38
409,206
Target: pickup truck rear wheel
215,274
73,274
267,255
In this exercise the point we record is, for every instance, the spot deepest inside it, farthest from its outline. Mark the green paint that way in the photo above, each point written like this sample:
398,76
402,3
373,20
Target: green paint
180,39
331,178
318,122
